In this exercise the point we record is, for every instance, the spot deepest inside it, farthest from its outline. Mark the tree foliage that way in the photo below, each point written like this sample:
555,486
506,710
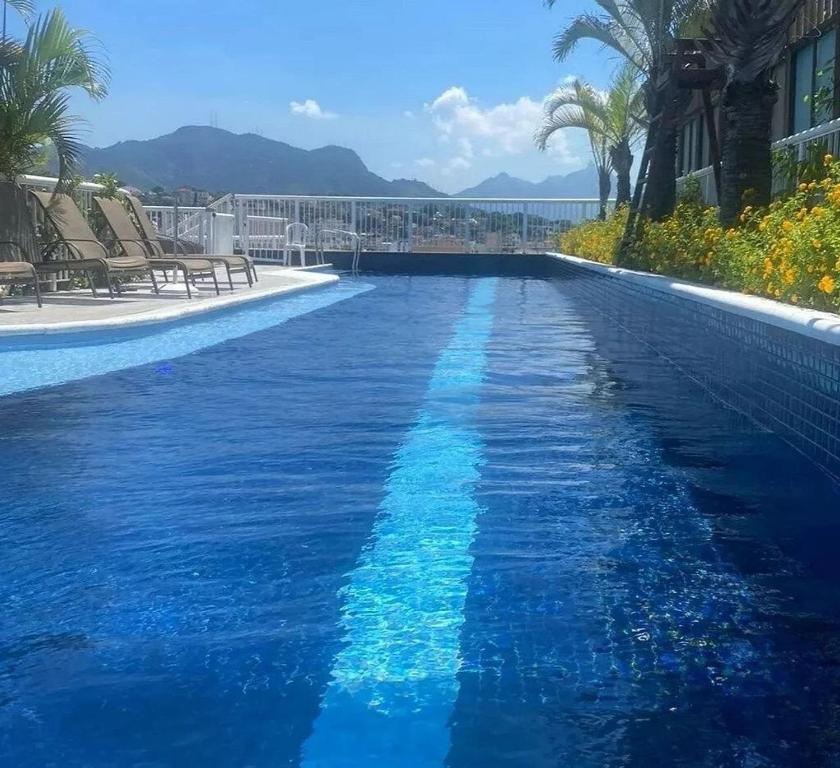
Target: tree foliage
37,77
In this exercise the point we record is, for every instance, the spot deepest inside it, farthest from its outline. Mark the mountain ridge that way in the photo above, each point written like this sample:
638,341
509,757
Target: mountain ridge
577,184
221,161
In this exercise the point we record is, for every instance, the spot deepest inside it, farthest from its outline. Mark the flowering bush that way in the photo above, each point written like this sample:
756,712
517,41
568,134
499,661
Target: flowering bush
789,251
596,240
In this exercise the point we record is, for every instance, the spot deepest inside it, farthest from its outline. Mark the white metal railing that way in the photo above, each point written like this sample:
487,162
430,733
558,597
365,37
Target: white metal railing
422,224
265,237
212,232
825,137
84,192
705,177
257,223
192,222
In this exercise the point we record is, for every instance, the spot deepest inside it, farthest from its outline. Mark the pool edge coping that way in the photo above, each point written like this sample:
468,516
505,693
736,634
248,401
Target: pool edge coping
170,314
823,326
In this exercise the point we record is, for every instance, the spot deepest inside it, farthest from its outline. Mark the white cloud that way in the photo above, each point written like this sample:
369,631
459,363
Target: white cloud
501,129
456,165
426,162
310,109
409,115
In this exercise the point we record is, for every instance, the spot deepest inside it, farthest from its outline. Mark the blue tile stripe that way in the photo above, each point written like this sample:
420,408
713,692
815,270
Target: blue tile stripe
51,359
395,681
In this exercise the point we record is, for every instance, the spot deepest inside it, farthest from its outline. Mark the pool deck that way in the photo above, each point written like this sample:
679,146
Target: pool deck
79,310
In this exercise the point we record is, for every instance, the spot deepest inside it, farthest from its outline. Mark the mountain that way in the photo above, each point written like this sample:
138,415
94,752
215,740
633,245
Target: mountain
583,183
220,161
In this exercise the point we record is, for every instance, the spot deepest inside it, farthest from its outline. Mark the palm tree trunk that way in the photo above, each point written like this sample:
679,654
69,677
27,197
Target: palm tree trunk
604,189
622,160
661,188
746,156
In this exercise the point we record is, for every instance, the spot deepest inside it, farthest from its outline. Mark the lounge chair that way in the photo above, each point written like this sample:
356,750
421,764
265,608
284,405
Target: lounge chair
18,244
127,239
88,255
233,263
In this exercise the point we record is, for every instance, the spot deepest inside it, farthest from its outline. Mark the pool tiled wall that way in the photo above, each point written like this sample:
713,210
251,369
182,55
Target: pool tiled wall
786,381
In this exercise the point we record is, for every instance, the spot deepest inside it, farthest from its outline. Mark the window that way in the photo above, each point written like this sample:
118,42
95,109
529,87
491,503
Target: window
813,83
694,146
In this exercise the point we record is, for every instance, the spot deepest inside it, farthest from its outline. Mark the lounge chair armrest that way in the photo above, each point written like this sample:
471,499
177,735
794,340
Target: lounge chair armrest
136,240
72,242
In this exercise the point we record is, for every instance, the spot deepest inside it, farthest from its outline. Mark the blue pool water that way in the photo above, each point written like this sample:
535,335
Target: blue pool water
406,521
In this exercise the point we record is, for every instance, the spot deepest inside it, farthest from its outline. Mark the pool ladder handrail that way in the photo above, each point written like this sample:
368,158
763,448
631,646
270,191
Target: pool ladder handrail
355,245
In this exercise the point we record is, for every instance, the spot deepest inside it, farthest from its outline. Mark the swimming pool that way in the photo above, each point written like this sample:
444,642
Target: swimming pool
406,521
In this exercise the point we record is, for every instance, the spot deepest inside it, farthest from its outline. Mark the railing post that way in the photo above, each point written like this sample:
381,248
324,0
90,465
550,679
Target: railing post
409,235
524,227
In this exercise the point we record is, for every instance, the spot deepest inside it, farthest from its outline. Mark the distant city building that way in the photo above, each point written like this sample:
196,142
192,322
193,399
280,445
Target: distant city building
189,196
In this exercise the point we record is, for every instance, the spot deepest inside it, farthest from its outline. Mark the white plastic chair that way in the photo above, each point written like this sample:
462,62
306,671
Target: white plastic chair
295,241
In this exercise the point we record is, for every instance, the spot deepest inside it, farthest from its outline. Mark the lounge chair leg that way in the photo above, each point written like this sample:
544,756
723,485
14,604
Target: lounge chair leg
38,291
91,285
110,287
215,282
230,279
187,282
254,270
154,281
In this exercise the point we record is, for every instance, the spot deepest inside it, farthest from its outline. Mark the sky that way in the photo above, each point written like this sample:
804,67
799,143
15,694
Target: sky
446,91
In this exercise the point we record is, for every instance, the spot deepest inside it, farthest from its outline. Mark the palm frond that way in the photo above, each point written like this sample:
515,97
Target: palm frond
746,37
638,30
578,106
37,77
25,8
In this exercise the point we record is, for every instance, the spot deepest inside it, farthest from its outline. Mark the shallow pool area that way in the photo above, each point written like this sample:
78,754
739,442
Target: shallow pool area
405,521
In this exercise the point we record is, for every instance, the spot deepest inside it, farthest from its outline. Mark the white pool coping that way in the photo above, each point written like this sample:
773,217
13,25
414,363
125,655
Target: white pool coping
823,326
139,310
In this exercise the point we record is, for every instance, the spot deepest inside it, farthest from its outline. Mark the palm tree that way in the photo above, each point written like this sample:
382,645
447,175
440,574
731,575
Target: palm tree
581,106
640,31
616,117
36,78
24,7
746,38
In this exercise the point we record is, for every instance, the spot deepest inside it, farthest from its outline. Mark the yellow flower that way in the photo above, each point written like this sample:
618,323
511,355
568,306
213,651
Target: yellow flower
787,225
828,159
817,244
826,285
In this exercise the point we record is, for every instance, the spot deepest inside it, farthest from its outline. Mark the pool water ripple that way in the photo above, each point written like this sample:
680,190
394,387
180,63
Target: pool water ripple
197,547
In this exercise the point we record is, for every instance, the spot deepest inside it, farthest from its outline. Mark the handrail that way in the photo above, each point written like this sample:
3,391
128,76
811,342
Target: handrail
817,132
32,180
355,245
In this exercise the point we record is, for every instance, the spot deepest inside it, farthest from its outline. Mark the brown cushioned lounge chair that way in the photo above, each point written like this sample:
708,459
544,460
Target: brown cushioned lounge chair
18,244
86,253
129,240
234,263
74,231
